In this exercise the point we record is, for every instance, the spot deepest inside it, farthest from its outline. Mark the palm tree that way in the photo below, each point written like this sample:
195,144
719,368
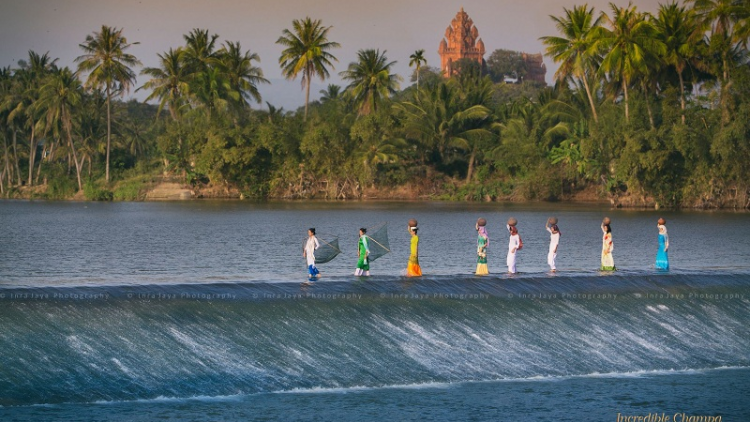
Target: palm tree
168,83
40,66
379,151
199,53
22,117
331,93
20,100
417,60
576,48
274,113
370,79
90,126
109,66
6,81
727,20
59,95
306,52
242,75
742,27
16,103
213,90
134,136
679,31
630,42
440,119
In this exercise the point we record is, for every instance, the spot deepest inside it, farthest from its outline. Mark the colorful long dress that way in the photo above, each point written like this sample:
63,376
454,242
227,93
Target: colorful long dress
363,264
608,263
310,246
412,268
482,256
662,256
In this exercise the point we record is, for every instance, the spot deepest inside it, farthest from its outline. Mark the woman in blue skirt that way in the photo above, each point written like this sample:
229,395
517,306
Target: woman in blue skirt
662,256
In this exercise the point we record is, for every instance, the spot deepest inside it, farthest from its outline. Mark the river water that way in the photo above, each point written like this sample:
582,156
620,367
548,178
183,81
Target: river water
195,311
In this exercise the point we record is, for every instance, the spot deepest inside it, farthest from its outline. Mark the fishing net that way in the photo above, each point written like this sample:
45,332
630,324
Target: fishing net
328,249
379,245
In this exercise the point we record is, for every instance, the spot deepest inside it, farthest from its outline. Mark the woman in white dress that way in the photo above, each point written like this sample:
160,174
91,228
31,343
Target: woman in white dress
309,253
514,245
554,240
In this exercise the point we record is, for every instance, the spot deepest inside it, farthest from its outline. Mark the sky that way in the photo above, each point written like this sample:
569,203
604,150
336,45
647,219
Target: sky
398,26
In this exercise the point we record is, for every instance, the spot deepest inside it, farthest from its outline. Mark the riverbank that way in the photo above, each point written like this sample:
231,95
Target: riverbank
163,188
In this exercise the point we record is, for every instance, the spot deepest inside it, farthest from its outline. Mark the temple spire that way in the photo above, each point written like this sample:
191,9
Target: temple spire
461,42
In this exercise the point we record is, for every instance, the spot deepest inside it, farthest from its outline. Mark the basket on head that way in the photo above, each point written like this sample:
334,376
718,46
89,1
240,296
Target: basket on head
512,221
481,222
662,221
552,220
412,222
606,221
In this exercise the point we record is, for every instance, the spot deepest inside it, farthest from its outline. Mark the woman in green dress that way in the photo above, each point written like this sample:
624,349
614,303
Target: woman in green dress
363,250
483,241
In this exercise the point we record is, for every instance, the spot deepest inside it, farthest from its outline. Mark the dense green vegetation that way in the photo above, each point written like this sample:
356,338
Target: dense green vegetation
647,110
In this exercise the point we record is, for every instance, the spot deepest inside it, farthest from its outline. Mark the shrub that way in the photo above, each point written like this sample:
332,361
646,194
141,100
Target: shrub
61,188
94,193
128,191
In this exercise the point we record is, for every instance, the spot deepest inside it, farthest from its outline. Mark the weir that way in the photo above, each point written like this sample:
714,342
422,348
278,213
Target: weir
101,343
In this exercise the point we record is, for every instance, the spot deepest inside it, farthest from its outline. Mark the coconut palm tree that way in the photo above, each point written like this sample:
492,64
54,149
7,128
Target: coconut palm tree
742,27
90,126
725,18
728,23
440,119
679,31
40,66
16,105
576,48
59,95
331,93
239,70
630,42
370,79
417,60
212,89
199,52
168,83
380,151
306,51
109,66
20,100
6,81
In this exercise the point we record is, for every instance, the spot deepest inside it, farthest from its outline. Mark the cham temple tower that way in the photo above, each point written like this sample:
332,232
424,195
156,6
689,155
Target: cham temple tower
462,42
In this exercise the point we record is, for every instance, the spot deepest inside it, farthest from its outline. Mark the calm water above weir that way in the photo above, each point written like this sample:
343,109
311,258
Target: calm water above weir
64,243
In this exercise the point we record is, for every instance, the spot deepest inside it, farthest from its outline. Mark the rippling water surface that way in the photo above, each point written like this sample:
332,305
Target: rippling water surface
195,311
135,243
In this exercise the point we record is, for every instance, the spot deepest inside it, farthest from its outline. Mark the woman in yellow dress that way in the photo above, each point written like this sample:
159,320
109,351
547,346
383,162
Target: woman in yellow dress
412,268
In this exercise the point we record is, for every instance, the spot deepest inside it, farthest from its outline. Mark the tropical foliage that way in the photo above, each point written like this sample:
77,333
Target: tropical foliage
646,110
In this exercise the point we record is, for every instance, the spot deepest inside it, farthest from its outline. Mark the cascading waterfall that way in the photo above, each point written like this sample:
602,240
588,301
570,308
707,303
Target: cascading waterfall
109,343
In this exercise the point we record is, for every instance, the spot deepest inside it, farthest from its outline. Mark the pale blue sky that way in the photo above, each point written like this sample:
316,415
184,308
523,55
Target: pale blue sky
398,26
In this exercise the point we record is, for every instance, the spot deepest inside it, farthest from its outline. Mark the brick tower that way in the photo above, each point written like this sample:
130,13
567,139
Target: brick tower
461,42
